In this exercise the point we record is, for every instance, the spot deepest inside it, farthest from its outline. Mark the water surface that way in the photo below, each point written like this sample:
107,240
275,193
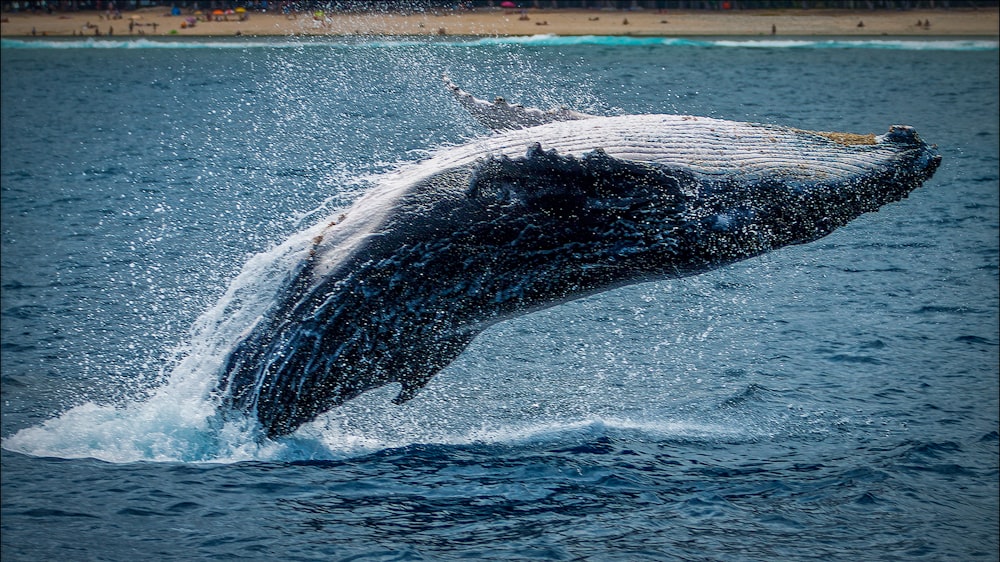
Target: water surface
837,400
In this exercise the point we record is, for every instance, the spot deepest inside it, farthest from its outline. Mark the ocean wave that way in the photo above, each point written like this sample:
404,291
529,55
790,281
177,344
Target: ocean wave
164,43
899,44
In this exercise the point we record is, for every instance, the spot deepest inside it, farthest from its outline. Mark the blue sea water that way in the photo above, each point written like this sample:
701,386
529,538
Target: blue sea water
834,400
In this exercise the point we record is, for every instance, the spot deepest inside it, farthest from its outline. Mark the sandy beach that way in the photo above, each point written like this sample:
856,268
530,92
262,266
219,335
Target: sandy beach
158,22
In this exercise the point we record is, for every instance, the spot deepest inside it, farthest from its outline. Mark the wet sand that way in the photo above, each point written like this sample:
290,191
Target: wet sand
158,22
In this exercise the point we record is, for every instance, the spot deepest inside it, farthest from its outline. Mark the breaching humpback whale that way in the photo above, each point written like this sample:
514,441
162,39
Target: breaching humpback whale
555,206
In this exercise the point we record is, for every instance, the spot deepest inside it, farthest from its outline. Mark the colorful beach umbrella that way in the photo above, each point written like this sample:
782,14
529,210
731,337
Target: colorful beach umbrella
508,4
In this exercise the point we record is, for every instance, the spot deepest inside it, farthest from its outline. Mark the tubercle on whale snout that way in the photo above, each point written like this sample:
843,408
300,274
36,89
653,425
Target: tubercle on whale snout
904,135
923,159
907,137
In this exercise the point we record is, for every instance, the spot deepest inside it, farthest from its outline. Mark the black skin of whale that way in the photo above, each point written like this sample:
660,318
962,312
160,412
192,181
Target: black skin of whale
471,246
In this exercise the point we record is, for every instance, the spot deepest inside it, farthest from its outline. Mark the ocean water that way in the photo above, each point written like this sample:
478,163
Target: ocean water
834,400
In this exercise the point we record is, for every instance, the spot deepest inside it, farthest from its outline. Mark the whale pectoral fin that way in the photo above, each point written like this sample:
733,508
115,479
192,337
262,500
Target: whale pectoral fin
438,356
502,116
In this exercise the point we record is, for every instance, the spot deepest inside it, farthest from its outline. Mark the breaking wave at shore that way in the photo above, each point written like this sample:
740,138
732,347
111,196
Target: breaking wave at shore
899,44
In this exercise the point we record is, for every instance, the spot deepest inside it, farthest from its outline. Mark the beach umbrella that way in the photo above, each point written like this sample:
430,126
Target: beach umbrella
241,10
217,12
508,4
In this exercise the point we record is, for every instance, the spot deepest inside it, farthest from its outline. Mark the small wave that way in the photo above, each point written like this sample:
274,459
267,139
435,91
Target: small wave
526,40
976,340
606,40
881,44
853,358
931,449
752,393
941,309
119,44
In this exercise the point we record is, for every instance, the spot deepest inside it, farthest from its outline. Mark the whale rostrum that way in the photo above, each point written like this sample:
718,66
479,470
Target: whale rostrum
555,206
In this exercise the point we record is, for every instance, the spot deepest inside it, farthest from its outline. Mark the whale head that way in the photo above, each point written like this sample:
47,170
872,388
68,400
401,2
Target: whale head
738,217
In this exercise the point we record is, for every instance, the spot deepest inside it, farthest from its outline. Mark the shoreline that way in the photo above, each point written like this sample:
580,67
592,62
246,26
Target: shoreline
157,22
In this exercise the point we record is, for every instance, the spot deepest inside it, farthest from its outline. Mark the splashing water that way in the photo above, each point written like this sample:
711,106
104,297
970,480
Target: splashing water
178,423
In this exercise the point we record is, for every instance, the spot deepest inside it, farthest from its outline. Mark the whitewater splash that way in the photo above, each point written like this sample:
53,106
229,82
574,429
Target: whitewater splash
178,422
